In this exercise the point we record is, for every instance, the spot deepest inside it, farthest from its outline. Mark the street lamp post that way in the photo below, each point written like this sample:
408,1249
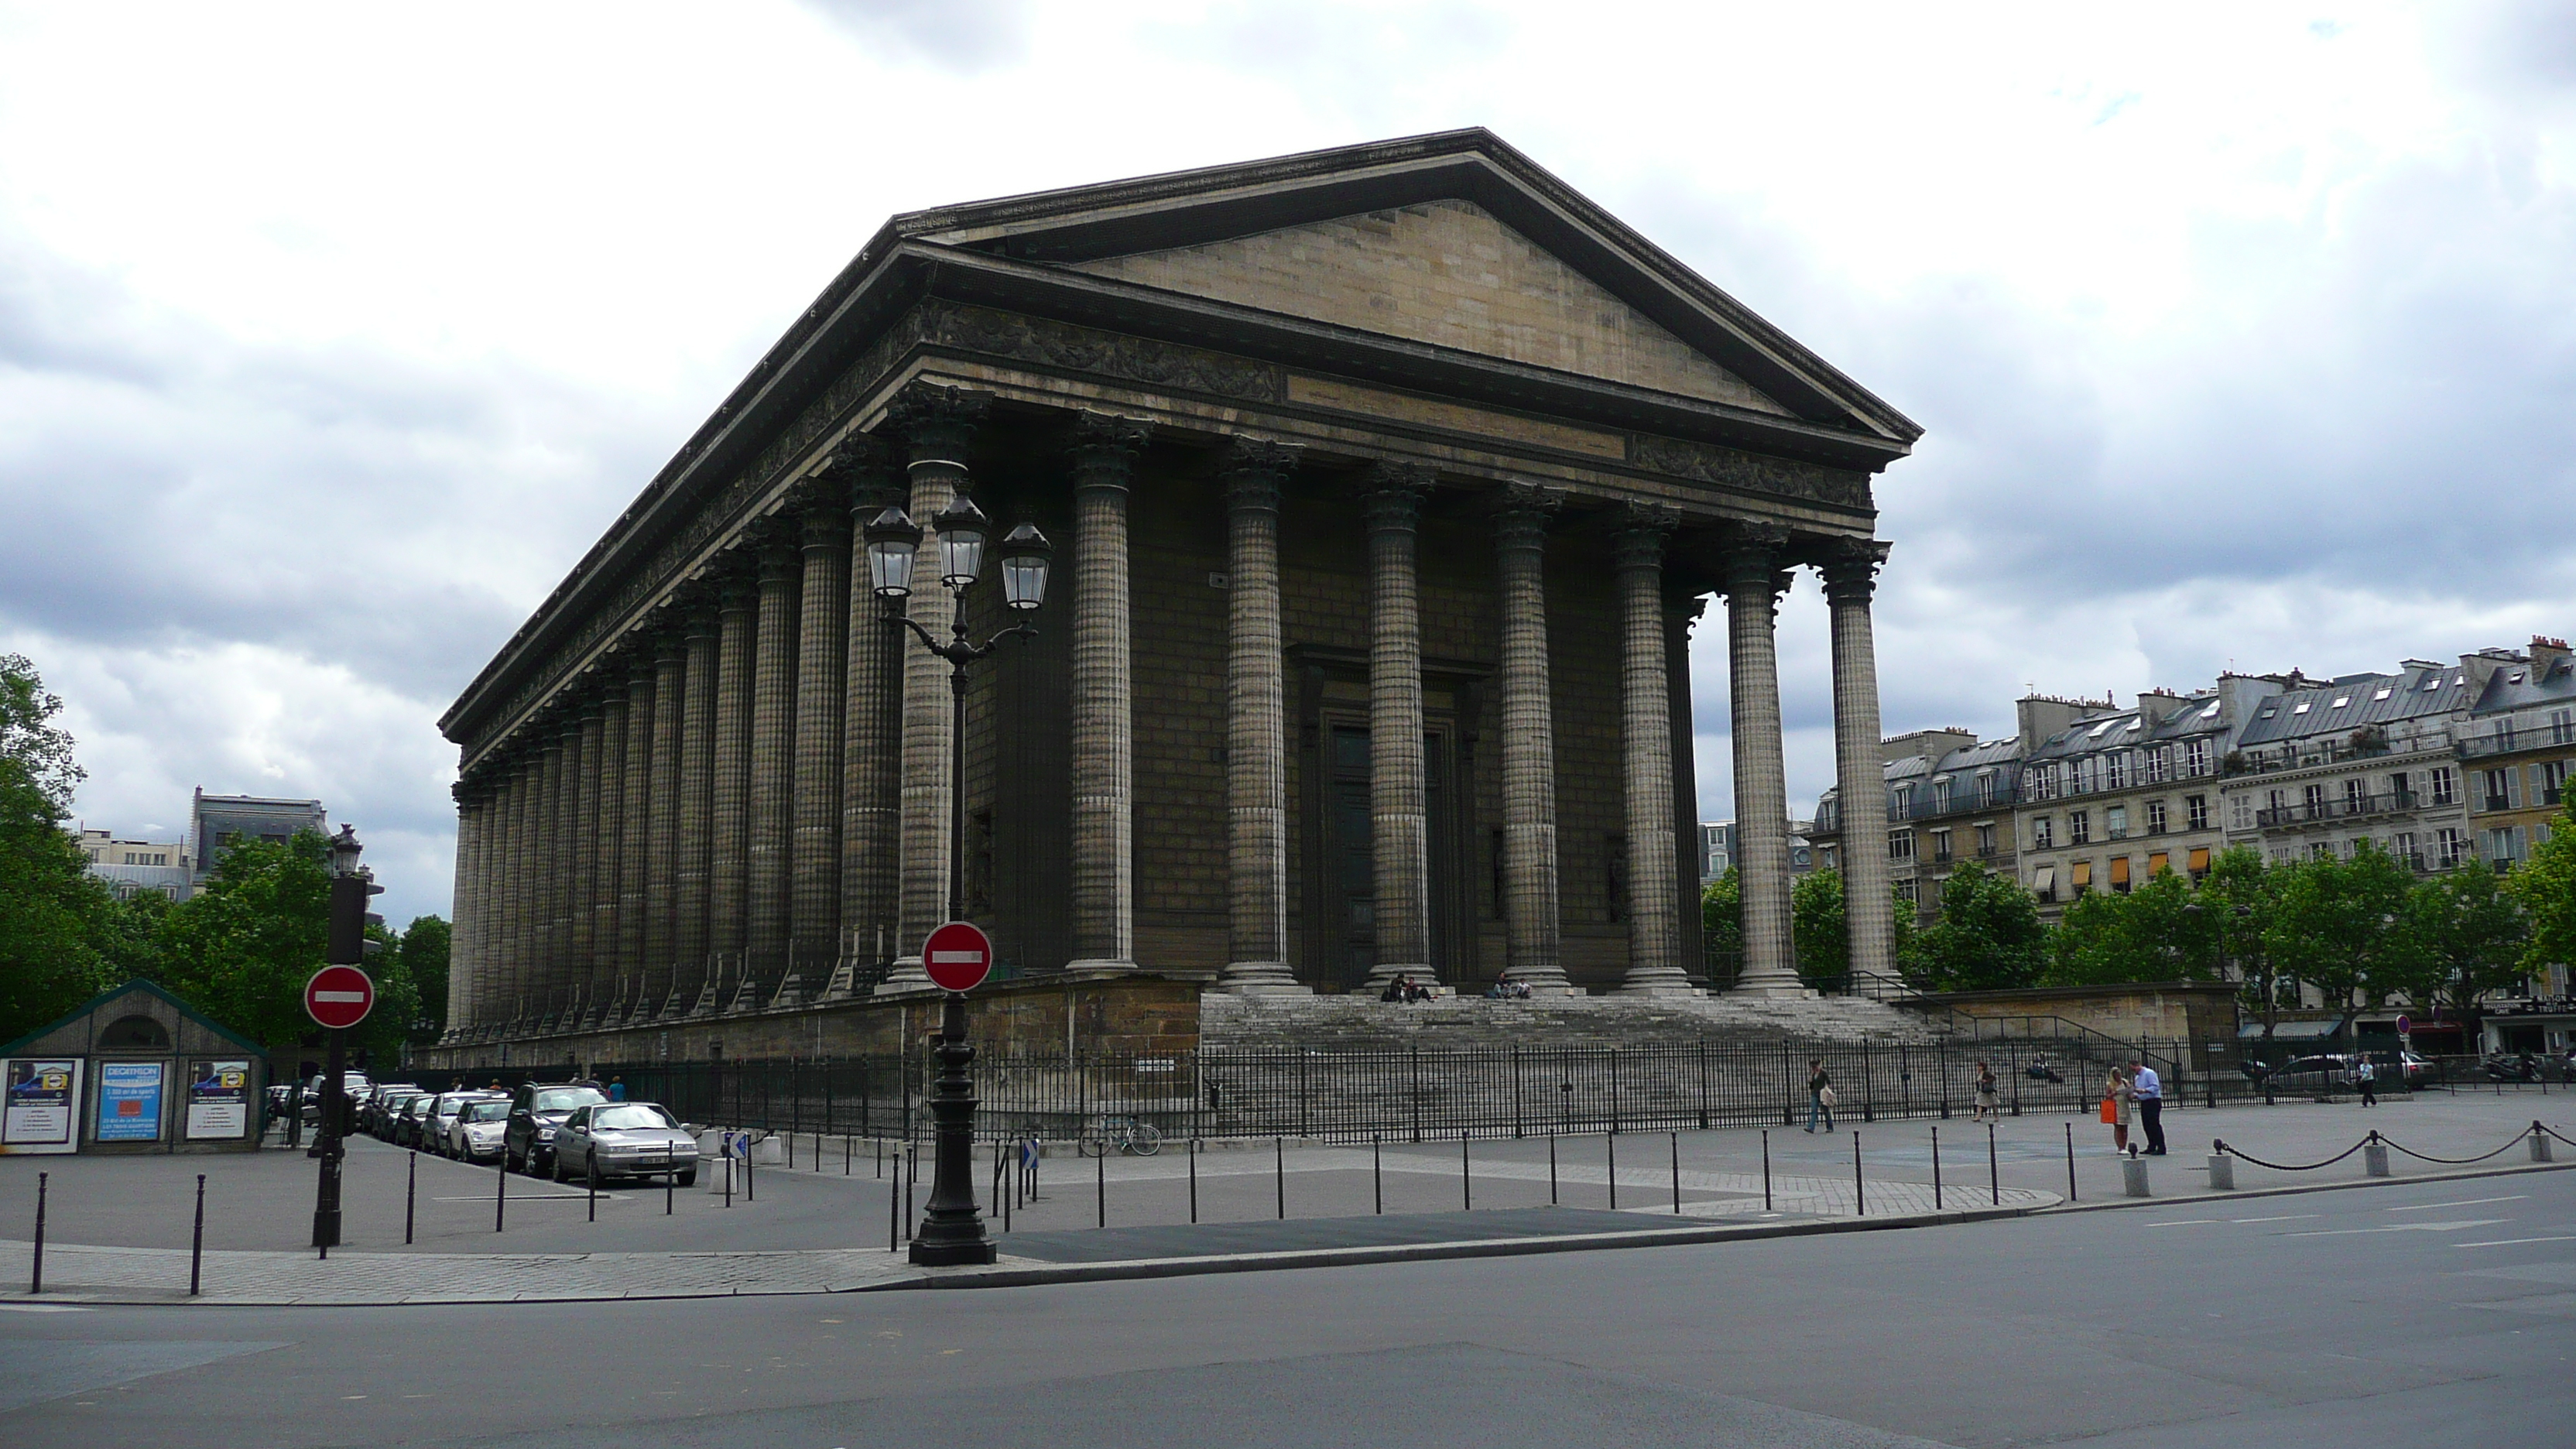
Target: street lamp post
351,884
952,1230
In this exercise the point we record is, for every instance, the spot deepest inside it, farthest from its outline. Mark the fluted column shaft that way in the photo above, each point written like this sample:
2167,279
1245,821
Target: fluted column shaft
1761,783
1104,742
662,827
1646,757
462,961
581,865
773,745
544,887
608,890
521,948
938,424
1399,823
697,778
634,851
564,904
871,747
1531,925
822,724
729,793
1859,772
1256,724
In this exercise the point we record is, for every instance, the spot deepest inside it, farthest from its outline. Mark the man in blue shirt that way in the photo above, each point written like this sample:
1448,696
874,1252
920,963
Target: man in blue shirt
2150,1091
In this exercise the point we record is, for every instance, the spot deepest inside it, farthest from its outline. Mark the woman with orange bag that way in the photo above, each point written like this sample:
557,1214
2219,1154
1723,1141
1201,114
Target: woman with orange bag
2119,1104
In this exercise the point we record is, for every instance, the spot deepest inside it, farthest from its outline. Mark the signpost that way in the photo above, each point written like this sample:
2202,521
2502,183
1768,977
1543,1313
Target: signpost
957,957
339,997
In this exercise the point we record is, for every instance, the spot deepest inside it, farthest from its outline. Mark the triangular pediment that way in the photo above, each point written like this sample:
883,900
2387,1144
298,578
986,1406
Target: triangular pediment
1449,273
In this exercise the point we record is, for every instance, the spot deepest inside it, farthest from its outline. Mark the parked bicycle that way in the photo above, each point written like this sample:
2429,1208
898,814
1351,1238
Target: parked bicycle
1132,1136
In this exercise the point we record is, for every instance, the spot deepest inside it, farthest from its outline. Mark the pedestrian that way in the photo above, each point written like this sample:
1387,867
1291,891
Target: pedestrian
617,1089
2149,1091
2366,1077
1987,1101
1820,1095
1396,990
2119,1100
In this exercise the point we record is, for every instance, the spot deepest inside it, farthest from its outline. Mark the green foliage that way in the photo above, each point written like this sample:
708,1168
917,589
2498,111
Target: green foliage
1721,920
424,957
2342,926
2471,933
1989,936
2545,885
1819,932
54,915
2153,933
242,948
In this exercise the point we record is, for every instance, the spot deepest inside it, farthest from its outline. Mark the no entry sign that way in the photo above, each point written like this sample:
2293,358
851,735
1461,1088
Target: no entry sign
958,956
339,996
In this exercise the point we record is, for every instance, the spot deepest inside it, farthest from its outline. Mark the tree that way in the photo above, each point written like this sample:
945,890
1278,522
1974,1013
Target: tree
2471,932
53,912
424,955
1721,924
2341,926
1989,936
242,948
2545,885
2161,931
1819,932
2237,895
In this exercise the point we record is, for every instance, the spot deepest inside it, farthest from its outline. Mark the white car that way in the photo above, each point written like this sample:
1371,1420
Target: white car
442,1117
475,1135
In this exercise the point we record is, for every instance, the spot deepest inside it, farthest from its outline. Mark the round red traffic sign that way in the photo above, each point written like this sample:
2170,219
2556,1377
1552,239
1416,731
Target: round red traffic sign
339,996
958,956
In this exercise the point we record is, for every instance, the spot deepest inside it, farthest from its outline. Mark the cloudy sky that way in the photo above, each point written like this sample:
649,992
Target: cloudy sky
330,337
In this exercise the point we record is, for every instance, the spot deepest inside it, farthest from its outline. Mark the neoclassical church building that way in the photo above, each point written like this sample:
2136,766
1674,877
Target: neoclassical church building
1385,485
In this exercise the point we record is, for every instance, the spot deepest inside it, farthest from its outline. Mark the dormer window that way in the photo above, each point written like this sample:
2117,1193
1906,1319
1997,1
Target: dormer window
2384,692
2340,701
2302,706
2432,682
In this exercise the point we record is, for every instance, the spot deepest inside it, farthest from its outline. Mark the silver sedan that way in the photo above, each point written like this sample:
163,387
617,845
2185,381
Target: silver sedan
624,1139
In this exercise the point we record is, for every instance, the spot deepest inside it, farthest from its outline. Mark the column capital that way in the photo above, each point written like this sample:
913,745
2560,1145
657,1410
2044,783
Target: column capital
1753,557
779,561
1254,469
937,423
1391,496
823,526
1642,529
1850,567
1105,448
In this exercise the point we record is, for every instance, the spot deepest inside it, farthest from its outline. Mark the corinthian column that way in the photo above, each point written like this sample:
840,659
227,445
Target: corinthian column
729,793
608,894
1104,837
1256,769
822,665
1531,925
773,746
697,777
1851,574
582,869
937,424
870,750
563,829
1399,825
634,850
1753,583
463,912
543,882
1646,751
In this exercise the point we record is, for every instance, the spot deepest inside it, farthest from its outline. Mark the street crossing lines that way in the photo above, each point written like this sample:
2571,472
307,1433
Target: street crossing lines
2513,1242
2449,1227
2465,1202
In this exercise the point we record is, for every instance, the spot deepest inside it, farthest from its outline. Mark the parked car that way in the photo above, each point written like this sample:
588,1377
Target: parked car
387,1109
624,1139
434,1129
353,1085
415,1114
477,1133
537,1109
2321,1073
373,1102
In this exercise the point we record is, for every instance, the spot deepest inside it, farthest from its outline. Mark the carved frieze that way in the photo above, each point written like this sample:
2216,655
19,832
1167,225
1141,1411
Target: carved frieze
1735,468
1111,354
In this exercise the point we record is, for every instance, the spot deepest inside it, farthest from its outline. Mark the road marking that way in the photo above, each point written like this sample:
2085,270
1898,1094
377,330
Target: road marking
2510,1242
2283,1218
2186,1222
2404,1228
538,1197
40,1308
2465,1202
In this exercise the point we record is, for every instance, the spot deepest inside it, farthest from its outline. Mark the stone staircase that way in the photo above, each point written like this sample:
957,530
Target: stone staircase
1363,1023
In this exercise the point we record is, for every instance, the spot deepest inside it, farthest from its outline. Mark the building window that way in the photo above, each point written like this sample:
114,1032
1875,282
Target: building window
2504,847
2198,862
2115,821
2242,807
2079,827
2158,863
2159,764
2043,882
2499,789
2445,786
1985,789
1900,804
2315,798
2115,770
2155,817
2080,876
2398,794
1900,845
2449,846
2356,797
1905,888
2562,727
1940,845
2042,836
1940,797
2195,758
2553,782
2320,850
1985,841
2196,811
2402,846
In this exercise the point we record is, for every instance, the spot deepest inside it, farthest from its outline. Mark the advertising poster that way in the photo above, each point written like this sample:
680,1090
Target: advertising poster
129,1101
38,1117
218,1100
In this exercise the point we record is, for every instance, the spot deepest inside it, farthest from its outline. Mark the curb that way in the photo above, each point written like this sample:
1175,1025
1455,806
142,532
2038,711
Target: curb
2295,1189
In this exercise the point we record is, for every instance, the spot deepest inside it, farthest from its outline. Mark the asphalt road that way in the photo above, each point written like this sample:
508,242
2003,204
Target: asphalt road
2404,1315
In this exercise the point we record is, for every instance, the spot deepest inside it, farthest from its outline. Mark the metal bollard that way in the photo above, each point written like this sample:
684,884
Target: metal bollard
2070,1162
2133,1175
894,1210
36,1284
1677,1173
1279,1161
1466,1176
1766,1169
1377,1173
1860,1188
590,1176
197,1238
411,1188
1551,1169
1994,1174
500,1190
1610,1148
1194,1179
1100,1181
670,1176
2222,1172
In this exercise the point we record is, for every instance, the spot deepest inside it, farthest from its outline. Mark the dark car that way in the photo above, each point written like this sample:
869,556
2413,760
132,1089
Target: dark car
410,1126
537,1109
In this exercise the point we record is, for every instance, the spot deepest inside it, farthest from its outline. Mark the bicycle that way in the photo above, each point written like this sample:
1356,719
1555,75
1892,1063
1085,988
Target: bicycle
1132,1136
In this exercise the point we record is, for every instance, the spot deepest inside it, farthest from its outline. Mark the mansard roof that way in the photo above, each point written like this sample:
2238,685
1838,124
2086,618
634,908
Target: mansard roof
2355,700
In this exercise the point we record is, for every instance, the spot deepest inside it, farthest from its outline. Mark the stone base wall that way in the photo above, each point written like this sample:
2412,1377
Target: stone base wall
2200,1012
1136,1015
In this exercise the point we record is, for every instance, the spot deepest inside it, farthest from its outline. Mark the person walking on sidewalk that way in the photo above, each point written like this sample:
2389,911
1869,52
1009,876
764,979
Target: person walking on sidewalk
1820,1094
2366,1077
2119,1104
1989,1106
2150,1092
